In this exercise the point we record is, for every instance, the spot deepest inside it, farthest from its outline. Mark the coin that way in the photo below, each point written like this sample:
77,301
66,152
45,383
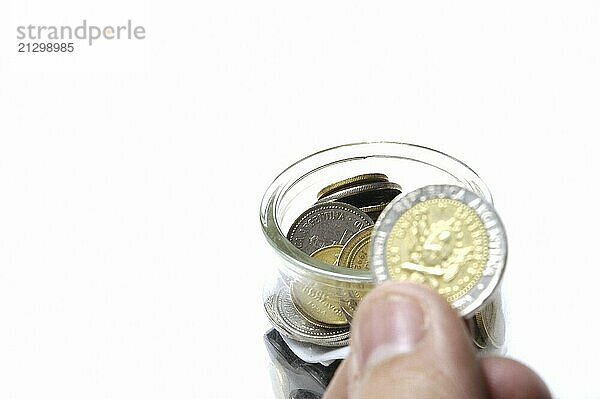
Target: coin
492,322
321,306
351,182
365,195
443,236
355,253
284,316
374,210
326,224
487,326
478,334
329,254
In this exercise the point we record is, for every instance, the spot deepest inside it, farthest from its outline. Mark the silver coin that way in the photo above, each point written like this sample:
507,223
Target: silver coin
478,290
289,322
327,224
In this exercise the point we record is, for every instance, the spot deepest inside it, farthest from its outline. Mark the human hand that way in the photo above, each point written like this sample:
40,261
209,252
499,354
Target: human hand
407,342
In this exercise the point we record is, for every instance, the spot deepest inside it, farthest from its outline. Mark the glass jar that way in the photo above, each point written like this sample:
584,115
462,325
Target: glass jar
296,189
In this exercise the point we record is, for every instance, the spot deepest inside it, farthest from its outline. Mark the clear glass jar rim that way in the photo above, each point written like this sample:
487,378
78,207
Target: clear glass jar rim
303,265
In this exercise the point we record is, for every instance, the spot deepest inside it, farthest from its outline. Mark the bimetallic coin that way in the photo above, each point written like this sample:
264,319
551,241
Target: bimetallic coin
351,182
366,195
443,236
321,306
327,224
285,318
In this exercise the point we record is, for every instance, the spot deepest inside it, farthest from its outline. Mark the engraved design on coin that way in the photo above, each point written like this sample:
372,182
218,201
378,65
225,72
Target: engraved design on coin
355,255
297,327
321,306
443,236
441,242
327,224
284,317
329,254
316,302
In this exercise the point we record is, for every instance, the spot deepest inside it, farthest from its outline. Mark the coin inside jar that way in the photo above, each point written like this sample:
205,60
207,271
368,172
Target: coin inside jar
366,195
443,236
298,327
321,231
320,305
355,255
329,254
315,302
351,182
327,224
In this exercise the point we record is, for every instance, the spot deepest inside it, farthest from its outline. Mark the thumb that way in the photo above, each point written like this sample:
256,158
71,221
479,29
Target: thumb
407,342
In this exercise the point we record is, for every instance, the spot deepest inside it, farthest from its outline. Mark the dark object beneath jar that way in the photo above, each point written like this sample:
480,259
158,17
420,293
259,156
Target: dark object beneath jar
303,378
304,394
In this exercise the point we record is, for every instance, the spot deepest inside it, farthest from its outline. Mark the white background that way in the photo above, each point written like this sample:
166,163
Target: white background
131,257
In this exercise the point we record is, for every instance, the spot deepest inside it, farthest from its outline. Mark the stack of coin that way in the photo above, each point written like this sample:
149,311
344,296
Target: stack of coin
336,230
488,327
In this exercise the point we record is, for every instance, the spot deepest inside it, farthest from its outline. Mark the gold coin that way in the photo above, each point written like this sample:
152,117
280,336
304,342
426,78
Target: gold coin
329,254
373,208
350,182
480,338
355,253
491,319
443,236
440,242
321,306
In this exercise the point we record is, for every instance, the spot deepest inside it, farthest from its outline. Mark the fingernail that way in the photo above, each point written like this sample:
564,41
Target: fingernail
394,325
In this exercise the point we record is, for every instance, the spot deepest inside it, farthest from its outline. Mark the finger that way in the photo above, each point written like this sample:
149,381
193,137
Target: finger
407,342
338,387
509,379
